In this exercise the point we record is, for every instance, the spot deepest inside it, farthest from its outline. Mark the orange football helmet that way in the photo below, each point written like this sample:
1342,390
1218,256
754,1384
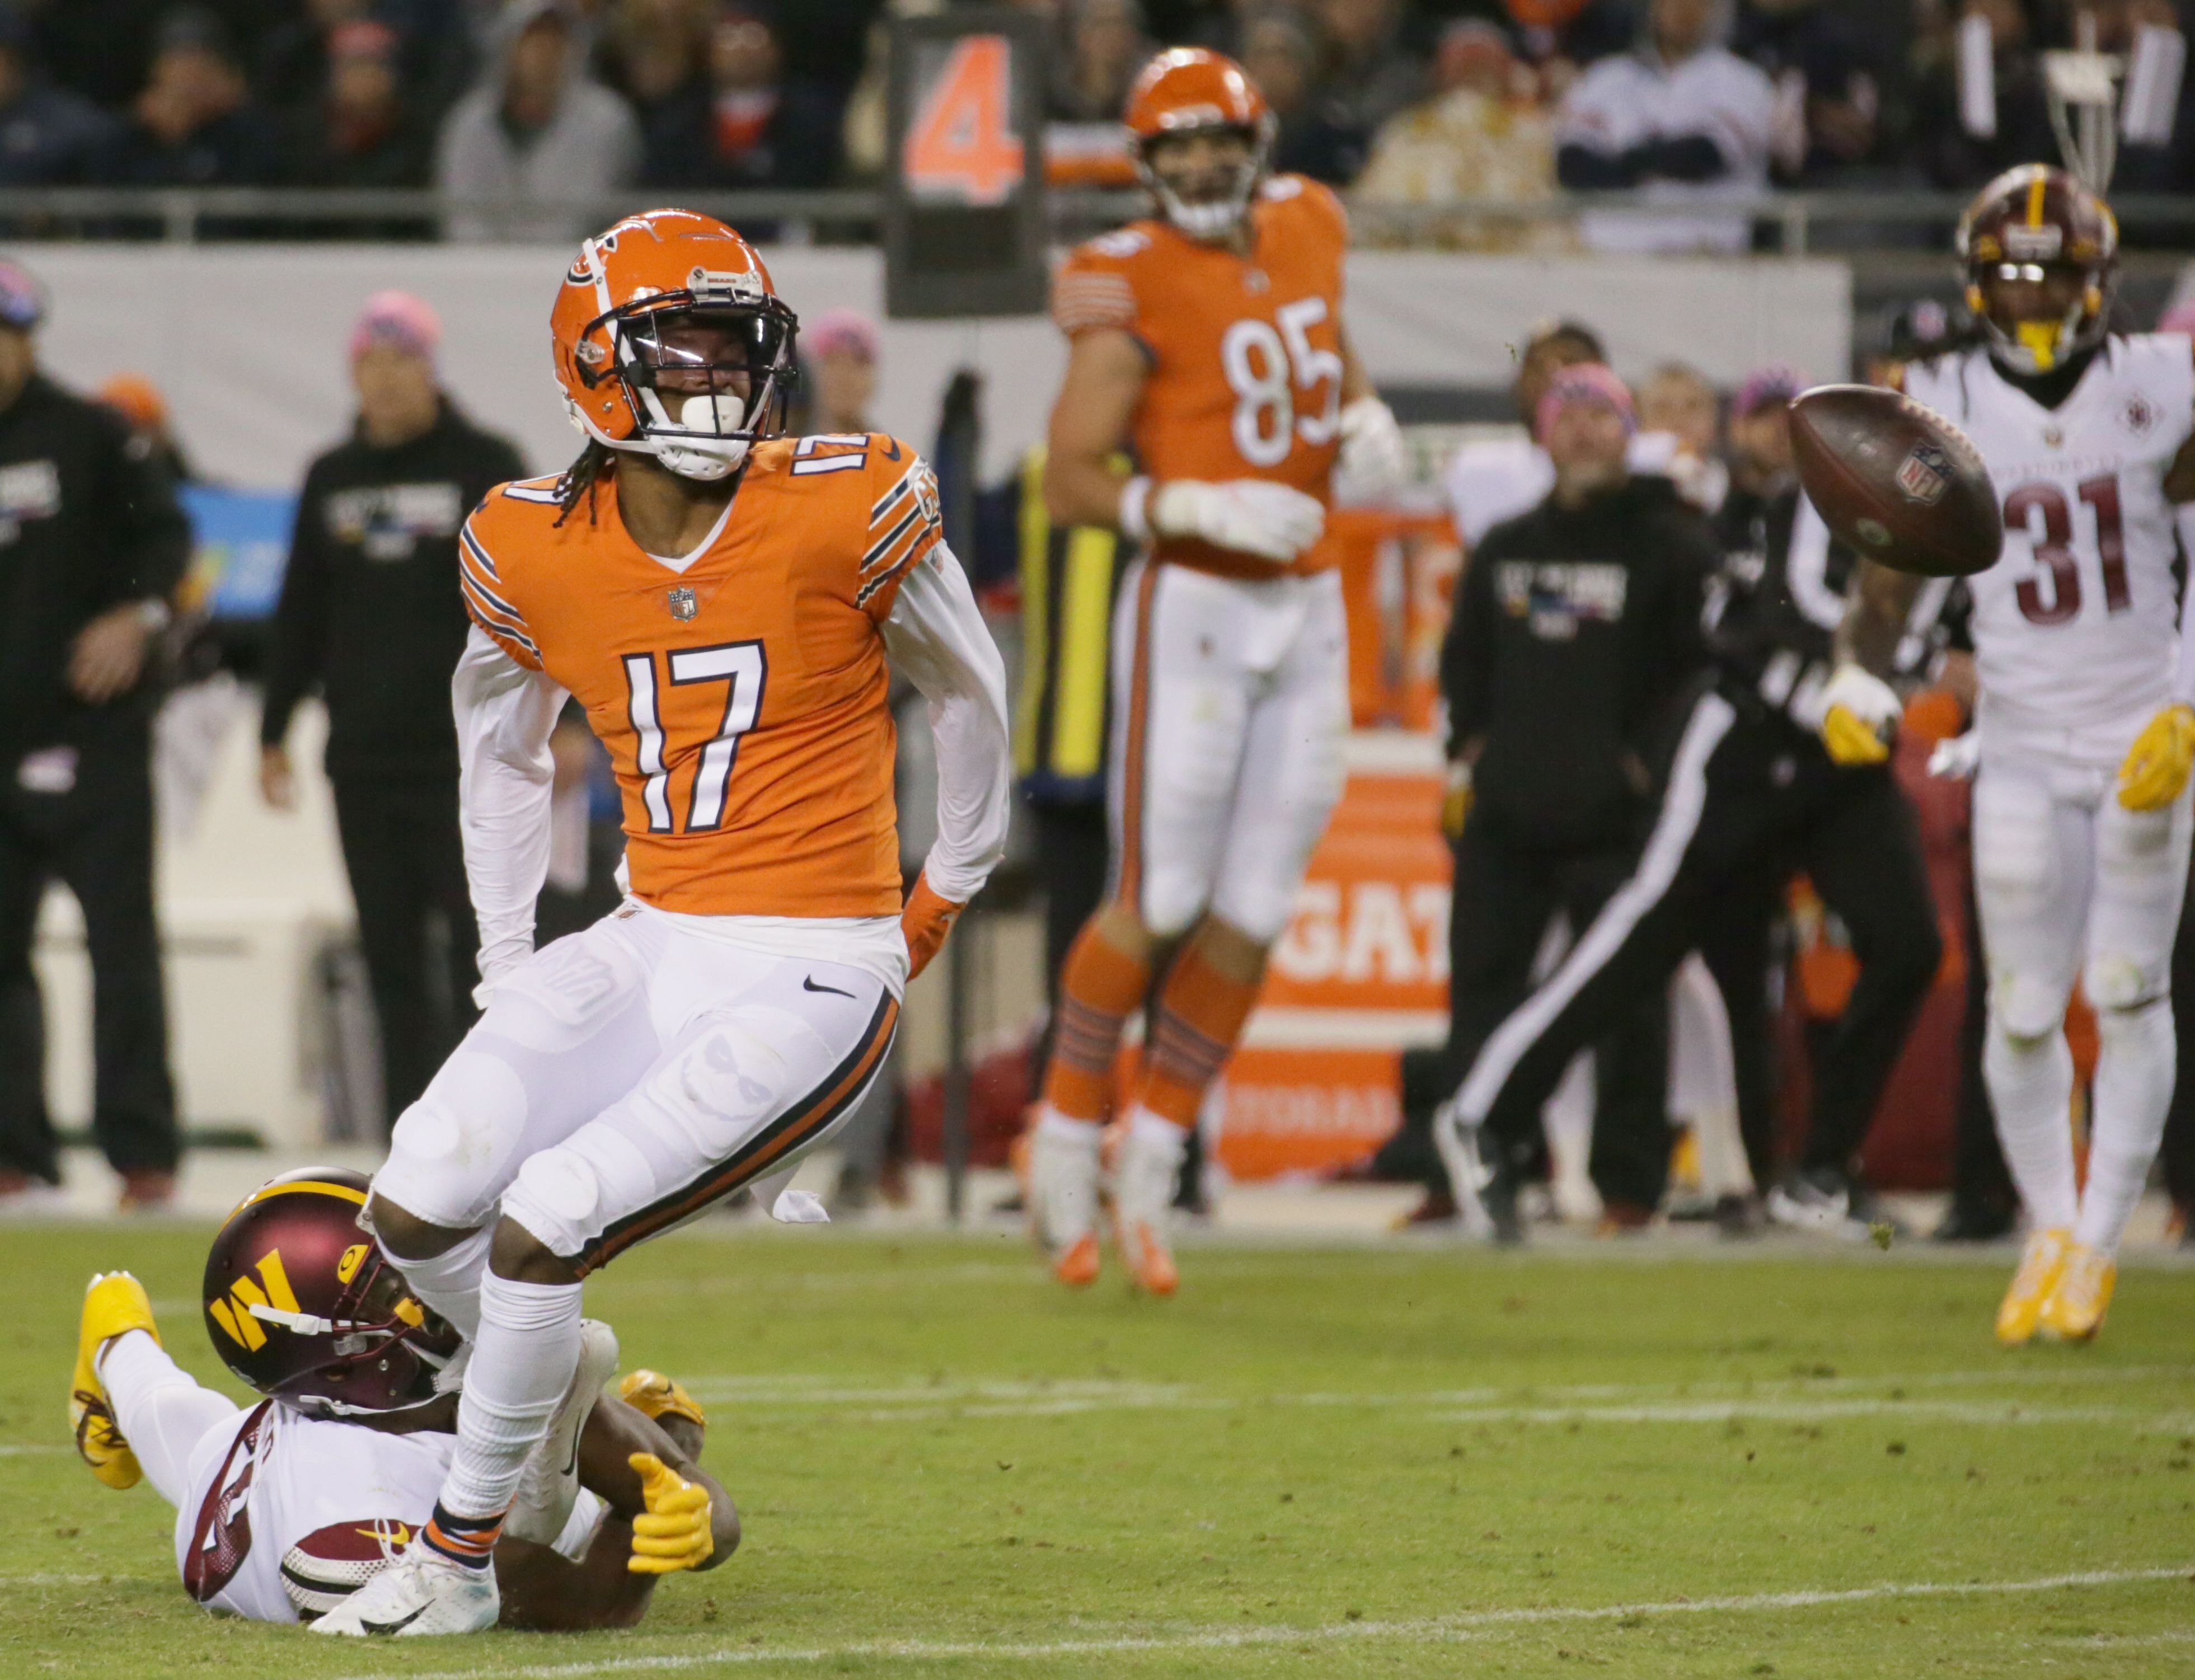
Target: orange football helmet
1187,90
670,341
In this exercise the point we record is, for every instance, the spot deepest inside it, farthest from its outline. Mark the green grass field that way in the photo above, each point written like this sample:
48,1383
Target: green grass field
1314,1461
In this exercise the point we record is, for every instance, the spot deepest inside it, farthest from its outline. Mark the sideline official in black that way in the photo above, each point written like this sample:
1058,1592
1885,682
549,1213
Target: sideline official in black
1749,797
92,545
371,615
1576,625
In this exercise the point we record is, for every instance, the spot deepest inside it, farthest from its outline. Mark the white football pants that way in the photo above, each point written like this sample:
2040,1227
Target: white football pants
1230,706
2071,884
163,1411
631,1074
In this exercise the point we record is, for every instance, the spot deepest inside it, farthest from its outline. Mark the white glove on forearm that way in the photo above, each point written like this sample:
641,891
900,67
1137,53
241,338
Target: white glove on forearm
1373,457
1864,695
1957,758
1248,515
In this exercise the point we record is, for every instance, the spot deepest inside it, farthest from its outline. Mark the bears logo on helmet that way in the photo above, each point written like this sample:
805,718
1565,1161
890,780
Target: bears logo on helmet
303,1307
2041,253
670,341
1190,90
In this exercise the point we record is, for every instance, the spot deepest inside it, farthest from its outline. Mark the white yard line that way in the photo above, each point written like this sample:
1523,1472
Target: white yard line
1799,1400
1429,1631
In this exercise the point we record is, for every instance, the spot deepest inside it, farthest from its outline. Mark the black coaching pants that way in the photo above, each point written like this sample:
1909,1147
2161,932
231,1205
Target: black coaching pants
94,835
1508,891
406,858
1747,800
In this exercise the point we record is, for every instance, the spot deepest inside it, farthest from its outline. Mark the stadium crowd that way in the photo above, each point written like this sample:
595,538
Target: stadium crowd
1410,101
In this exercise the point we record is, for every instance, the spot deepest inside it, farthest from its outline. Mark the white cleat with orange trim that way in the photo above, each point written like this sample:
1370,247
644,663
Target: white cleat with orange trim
1062,1191
1143,1176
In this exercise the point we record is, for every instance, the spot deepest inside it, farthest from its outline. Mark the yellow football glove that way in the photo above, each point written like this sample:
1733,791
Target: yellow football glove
1858,713
2157,762
674,1533
1455,799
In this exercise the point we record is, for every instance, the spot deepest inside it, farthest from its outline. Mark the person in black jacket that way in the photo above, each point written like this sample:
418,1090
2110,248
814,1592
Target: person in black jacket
92,545
1576,624
371,613
1748,796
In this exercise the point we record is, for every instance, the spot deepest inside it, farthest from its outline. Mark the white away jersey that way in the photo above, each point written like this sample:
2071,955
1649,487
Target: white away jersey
273,1478
2075,627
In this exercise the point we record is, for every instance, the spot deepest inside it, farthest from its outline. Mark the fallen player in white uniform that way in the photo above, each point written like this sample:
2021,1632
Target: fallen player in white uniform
286,1508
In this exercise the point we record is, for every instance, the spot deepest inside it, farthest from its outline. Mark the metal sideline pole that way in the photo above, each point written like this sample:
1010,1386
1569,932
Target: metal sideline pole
959,978
956,463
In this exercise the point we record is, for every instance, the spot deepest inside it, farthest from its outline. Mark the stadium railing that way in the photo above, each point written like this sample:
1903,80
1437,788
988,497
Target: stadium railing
1789,224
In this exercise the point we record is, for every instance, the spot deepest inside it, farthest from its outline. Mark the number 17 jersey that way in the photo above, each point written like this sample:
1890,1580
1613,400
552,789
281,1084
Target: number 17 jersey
1245,351
741,692
2075,627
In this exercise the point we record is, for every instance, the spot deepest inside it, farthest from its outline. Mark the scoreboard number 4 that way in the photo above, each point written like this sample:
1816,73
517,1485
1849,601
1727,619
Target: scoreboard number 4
961,145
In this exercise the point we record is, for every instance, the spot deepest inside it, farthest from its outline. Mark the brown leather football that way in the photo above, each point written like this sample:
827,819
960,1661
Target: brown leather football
1896,480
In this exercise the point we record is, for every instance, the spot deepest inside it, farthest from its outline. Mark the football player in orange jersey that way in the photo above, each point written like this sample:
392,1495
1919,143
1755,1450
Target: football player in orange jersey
1207,342
722,602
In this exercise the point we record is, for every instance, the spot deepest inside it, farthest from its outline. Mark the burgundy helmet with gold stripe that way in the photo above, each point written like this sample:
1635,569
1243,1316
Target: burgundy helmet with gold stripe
2042,254
302,1306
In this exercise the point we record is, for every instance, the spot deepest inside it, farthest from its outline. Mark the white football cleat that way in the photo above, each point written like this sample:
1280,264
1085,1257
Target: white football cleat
1143,1176
421,1592
549,1485
1063,1193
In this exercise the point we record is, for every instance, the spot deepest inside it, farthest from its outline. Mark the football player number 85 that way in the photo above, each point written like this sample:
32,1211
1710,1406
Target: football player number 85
1265,367
742,668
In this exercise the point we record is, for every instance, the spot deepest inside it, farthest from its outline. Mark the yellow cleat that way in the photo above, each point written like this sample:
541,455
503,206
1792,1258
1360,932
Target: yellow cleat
114,1302
2074,1309
653,1394
2040,1263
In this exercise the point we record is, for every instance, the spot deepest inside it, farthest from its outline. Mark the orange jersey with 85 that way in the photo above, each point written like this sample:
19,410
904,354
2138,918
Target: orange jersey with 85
742,699
1245,351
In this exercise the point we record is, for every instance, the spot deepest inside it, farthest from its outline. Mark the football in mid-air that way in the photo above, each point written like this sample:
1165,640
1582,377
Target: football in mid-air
1896,480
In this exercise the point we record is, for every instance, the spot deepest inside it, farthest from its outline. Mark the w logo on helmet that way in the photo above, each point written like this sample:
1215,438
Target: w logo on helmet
233,1313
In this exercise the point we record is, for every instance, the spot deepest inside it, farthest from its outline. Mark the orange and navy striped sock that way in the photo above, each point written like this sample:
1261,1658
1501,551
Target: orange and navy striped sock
1098,985
469,1540
1200,1015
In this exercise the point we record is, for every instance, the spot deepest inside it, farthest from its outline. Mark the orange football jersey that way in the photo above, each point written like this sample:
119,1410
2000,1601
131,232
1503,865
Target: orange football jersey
1245,351
743,698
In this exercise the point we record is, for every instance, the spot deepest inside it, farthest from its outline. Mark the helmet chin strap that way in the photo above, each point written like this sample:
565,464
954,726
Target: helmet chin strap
698,455
2038,347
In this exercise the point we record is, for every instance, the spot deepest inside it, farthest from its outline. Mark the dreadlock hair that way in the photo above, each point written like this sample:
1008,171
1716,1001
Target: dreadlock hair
597,460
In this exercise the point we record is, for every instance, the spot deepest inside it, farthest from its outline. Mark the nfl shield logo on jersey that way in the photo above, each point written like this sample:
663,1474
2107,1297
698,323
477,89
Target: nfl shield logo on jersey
682,604
1925,474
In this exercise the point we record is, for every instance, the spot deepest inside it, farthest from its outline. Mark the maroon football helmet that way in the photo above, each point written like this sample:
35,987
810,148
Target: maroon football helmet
301,1304
2041,253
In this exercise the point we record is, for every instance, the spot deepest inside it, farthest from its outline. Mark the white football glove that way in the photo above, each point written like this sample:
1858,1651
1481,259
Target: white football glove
1956,757
1373,456
1858,710
1248,515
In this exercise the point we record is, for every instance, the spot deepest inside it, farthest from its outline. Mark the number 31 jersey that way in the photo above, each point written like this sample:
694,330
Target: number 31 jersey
2076,626
1245,351
741,693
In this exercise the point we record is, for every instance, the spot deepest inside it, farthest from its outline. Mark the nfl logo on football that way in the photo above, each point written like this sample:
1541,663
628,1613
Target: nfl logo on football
1924,474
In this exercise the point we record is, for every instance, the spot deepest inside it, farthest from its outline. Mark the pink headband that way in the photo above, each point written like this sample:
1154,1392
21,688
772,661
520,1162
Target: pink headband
1774,384
1584,381
836,329
399,320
